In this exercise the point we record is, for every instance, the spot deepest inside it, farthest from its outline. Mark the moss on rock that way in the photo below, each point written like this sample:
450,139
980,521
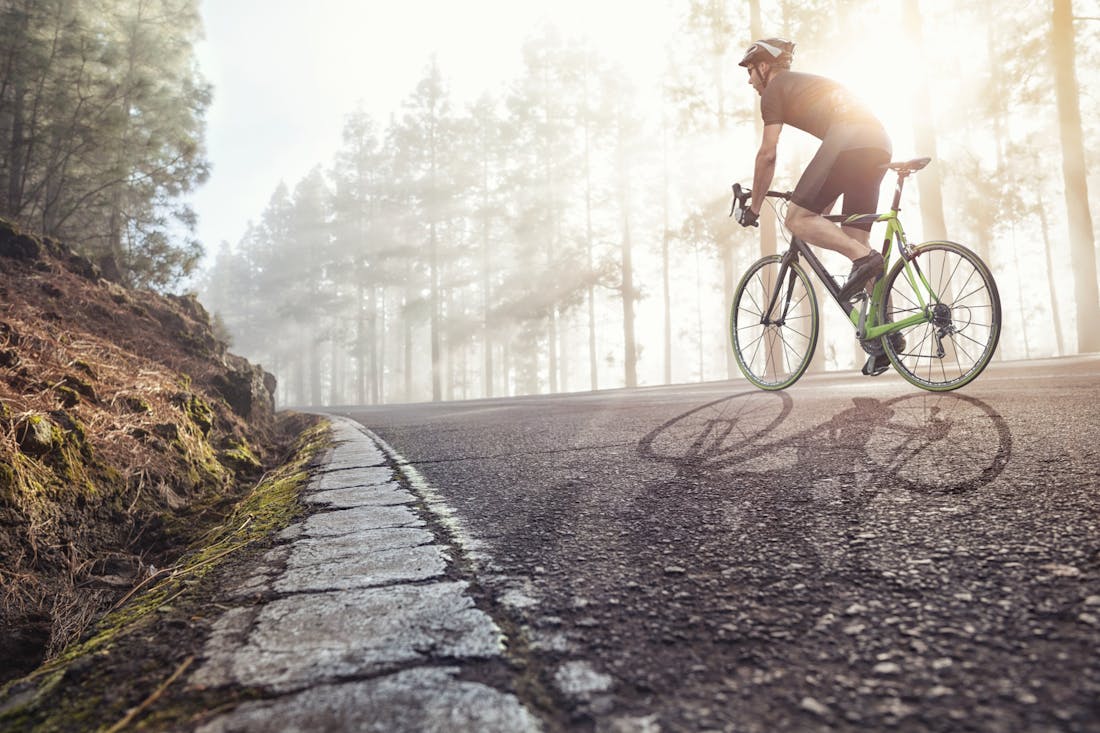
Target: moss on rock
37,436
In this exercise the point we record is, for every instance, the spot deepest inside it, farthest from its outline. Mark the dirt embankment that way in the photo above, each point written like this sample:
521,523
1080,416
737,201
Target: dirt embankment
126,429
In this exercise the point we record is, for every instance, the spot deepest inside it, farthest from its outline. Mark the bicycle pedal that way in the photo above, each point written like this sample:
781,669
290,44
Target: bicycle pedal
876,365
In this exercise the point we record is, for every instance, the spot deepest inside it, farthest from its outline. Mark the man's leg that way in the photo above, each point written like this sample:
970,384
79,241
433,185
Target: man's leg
813,228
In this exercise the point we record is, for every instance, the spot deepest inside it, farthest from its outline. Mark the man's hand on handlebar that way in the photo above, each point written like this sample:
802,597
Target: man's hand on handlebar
740,210
746,217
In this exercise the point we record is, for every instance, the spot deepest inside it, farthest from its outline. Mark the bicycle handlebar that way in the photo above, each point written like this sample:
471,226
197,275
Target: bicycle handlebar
741,197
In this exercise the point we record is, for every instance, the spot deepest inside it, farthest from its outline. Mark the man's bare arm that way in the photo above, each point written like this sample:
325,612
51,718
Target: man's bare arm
765,165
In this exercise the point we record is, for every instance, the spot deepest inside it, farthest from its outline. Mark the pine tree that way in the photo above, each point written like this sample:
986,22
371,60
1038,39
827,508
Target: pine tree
1082,239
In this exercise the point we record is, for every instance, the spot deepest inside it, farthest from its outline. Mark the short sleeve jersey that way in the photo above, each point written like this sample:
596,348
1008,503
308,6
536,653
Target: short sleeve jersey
811,103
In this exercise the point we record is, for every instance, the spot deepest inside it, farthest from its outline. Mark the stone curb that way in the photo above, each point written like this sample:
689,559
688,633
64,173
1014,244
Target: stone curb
364,631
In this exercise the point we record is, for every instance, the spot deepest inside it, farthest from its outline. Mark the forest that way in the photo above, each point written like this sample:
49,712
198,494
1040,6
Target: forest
567,231
101,130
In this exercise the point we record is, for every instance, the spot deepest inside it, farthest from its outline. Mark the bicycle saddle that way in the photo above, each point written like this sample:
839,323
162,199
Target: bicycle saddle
909,166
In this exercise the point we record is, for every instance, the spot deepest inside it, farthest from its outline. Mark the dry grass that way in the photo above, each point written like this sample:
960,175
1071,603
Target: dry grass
134,467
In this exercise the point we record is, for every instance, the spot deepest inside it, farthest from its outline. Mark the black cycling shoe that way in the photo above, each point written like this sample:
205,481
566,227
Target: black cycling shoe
863,270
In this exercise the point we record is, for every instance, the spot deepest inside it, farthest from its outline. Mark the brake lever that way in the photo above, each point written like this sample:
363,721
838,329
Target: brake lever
738,203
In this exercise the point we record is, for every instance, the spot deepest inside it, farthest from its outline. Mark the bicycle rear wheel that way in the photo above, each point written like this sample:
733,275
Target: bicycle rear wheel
958,342
773,350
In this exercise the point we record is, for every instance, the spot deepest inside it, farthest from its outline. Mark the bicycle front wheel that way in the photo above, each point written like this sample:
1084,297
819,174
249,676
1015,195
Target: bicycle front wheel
964,310
773,325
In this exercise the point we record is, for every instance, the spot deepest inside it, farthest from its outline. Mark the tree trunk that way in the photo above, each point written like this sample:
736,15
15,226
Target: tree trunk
336,372
666,235
15,157
699,312
433,250
1081,237
630,352
299,392
593,373
372,344
315,396
408,346
361,336
769,244
551,240
378,380
924,135
728,284
1055,312
486,285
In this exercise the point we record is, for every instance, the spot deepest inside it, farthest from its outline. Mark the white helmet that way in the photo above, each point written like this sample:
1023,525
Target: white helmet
778,51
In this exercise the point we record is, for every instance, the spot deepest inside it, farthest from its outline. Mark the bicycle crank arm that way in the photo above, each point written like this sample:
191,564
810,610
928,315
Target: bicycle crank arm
864,302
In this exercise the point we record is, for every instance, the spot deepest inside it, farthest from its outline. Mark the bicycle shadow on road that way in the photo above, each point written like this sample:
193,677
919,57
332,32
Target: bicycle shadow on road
934,443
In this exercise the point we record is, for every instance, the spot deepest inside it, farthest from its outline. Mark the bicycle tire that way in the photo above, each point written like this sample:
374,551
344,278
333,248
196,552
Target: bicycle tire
773,356
966,323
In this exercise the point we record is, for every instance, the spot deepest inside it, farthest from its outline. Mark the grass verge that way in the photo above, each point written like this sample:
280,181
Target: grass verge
102,682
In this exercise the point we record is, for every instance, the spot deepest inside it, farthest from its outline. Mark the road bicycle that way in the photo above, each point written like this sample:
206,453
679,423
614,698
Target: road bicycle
936,314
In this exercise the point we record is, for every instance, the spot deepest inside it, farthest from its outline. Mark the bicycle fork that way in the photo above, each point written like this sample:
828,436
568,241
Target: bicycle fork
765,318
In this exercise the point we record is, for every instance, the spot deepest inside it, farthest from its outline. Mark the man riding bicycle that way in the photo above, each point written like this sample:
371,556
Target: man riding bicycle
854,149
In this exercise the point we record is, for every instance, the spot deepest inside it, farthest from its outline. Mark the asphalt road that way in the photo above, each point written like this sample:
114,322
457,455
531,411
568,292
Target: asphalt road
852,553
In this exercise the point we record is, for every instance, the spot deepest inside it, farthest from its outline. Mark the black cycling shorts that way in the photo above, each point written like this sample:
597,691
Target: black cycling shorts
840,168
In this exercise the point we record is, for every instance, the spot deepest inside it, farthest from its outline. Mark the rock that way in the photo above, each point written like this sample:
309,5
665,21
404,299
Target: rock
19,246
1061,571
579,679
36,435
247,388
815,707
887,668
80,386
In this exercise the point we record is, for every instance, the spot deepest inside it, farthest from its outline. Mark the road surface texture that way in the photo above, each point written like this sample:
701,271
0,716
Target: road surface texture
851,554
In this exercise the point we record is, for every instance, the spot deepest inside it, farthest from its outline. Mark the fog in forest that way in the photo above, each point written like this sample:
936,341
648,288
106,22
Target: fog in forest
564,226
567,230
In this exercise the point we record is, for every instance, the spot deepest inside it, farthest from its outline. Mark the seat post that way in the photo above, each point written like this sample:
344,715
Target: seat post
902,175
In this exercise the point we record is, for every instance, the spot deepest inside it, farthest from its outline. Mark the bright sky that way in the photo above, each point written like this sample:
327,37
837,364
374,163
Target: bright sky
287,73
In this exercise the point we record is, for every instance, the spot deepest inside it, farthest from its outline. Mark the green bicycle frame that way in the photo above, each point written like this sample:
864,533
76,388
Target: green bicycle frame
864,321
894,231
862,318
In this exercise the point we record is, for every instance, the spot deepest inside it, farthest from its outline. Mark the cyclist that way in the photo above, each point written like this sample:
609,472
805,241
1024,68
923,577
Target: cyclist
854,149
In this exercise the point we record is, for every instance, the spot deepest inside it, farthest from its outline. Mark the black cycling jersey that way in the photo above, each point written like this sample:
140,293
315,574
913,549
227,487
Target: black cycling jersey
854,143
814,104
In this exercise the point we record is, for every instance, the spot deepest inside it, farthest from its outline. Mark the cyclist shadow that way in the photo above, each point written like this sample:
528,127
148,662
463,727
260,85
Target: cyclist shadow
933,443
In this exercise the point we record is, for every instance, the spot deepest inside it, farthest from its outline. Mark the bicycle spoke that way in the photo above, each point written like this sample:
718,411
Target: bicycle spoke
976,342
916,306
752,297
963,295
757,343
776,354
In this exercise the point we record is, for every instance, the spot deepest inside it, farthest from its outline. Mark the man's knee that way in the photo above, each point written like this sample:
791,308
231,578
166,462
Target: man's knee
796,218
